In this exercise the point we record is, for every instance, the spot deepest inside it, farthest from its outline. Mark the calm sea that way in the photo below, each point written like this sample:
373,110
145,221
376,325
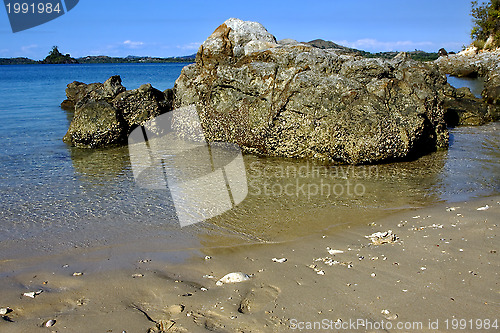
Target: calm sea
53,197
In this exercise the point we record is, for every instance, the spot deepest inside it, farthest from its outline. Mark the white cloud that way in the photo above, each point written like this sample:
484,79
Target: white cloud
28,48
370,44
189,46
133,45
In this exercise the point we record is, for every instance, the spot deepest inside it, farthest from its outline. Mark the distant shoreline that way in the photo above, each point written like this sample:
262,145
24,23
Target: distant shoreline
103,60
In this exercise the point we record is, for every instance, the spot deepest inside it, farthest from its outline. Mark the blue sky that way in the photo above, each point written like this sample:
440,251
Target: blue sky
165,28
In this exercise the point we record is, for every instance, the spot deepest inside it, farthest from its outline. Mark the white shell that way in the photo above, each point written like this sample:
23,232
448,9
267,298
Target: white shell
49,323
379,238
281,260
483,208
33,294
233,278
333,252
3,311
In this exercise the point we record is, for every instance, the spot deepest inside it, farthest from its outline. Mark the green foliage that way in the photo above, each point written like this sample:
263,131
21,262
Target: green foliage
486,18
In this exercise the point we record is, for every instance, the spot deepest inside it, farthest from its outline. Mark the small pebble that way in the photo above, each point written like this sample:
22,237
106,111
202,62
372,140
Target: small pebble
49,323
4,311
333,252
77,274
33,294
233,278
373,274
281,260
137,275
208,257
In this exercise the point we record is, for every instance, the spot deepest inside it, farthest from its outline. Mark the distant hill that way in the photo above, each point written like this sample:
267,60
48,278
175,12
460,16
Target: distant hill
326,44
17,61
132,59
416,55
96,60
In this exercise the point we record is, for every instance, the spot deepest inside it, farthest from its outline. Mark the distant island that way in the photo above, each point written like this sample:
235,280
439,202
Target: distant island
56,57
415,55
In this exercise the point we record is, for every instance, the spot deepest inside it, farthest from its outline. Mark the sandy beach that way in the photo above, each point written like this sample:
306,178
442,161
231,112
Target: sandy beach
426,270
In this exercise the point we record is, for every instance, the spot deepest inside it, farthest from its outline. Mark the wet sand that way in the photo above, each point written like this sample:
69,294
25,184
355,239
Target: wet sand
441,267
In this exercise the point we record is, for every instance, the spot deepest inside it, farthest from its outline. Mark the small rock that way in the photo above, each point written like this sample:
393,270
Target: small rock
333,252
281,260
33,294
208,257
392,316
388,315
49,323
137,275
483,208
233,278
373,274
4,311
77,274
381,237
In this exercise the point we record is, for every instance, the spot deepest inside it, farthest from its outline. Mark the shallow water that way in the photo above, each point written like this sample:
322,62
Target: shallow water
476,85
54,197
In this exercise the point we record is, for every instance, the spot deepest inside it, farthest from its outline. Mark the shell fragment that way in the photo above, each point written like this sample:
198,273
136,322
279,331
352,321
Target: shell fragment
281,260
33,294
233,278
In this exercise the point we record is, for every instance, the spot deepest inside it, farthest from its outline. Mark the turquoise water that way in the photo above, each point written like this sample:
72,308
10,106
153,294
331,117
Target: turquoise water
53,197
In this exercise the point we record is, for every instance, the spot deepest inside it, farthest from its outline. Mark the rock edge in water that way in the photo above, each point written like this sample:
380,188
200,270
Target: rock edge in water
461,104
105,113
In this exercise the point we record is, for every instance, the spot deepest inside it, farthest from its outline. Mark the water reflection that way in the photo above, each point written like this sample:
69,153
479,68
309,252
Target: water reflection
476,85
291,198
99,166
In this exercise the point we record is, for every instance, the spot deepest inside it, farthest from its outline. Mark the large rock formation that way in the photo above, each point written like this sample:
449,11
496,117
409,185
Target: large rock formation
105,113
474,63
295,100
